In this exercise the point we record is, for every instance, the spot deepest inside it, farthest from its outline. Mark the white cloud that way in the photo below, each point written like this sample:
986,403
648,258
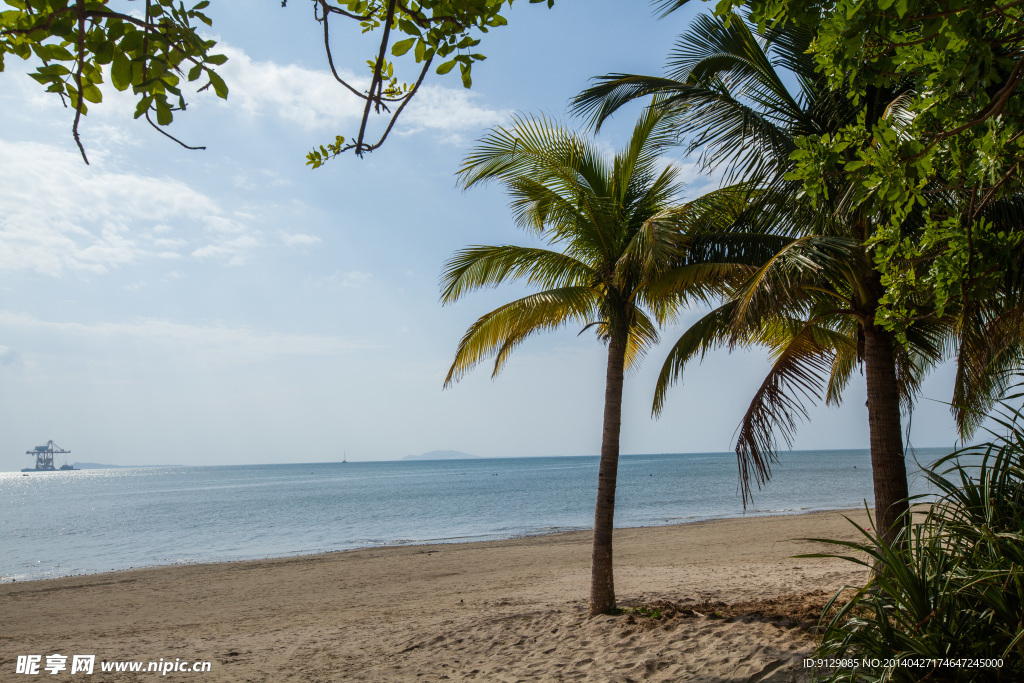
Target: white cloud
314,100
275,179
58,214
168,243
232,251
245,180
352,279
211,343
449,109
224,225
9,356
299,240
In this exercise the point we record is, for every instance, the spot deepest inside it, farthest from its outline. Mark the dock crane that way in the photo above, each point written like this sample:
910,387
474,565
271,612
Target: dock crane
44,458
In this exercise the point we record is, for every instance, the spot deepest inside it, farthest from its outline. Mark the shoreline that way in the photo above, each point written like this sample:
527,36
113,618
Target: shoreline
505,610
422,543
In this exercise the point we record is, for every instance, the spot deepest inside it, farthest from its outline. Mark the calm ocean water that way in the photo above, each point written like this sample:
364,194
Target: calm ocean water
62,523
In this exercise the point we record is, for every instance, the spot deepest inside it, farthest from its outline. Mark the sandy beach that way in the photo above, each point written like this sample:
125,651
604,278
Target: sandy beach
734,606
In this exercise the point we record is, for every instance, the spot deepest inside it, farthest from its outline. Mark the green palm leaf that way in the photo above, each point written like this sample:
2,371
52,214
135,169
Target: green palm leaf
485,266
802,362
713,330
499,332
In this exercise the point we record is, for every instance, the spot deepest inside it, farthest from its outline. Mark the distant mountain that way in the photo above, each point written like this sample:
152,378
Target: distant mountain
442,455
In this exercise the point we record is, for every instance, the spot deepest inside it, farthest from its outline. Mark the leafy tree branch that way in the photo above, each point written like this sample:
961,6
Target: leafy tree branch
79,42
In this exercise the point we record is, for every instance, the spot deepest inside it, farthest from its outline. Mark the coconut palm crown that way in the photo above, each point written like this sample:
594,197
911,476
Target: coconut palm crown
613,225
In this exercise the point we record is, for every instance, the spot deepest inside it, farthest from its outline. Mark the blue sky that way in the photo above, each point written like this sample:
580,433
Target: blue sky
232,306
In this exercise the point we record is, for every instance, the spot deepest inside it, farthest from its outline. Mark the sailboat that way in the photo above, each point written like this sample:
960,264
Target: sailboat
344,460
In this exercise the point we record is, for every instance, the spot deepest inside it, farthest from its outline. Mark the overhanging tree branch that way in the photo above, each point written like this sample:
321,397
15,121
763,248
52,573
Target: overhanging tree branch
82,44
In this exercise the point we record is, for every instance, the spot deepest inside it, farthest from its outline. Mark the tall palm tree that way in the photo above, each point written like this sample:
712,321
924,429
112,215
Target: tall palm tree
814,302
616,225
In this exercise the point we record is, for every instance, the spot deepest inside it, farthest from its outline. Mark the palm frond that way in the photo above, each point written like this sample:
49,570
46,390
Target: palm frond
487,266
712,331
655,131
790,47
613,91
783,283
539,208
704,283
503,329
536,146
725,94
643,334
991,352
991,330
925,347
801,365
655,245
667,7
844,362
727,50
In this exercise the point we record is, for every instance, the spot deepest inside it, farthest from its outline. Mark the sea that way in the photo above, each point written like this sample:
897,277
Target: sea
67,523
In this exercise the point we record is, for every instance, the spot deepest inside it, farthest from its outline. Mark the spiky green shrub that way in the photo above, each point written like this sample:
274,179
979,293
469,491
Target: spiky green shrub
945,601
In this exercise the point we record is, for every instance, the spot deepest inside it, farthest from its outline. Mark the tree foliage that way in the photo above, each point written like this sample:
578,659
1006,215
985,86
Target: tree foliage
942,135
79,42
83,42
445,30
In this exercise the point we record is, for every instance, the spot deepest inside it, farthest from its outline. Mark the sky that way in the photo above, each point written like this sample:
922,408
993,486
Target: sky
233,306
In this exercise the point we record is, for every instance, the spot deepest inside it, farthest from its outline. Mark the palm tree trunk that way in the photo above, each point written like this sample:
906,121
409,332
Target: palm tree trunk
602,583
888,466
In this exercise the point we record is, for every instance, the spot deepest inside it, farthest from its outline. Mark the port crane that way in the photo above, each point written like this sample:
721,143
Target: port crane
44,457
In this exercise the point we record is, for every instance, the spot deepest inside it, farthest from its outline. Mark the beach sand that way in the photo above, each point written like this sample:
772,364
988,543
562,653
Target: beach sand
735,607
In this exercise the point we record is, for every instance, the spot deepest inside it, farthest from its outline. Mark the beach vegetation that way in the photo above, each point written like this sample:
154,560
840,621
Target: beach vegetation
616,227
945,601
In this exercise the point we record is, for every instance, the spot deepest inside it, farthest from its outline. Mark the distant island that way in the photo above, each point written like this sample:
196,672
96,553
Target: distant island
442,455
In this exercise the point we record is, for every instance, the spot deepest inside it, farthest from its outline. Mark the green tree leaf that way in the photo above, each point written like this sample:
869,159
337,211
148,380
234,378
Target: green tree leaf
219,86
163,113
402,46
121,71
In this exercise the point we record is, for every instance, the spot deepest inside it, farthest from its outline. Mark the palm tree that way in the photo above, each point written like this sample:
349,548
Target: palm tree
814,303
616,225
